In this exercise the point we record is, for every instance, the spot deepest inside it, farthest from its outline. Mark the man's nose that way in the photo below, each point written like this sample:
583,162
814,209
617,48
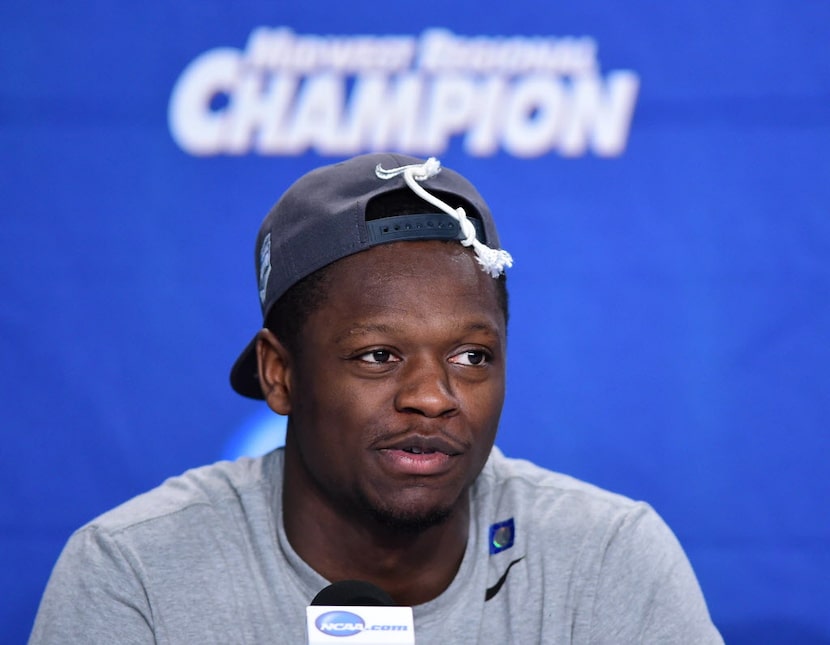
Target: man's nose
426,388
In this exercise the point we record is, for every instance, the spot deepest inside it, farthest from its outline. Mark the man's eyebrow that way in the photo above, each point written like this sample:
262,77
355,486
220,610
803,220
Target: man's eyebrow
362,330
481,326
382,328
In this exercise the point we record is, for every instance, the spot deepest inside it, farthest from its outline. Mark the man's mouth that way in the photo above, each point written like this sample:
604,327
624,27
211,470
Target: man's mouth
424,445
417,451
419,455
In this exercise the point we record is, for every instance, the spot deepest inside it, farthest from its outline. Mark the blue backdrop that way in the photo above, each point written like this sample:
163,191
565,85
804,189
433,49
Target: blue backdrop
659,172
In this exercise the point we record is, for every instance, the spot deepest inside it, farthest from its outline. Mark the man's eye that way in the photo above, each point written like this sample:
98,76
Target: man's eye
471,357
377,356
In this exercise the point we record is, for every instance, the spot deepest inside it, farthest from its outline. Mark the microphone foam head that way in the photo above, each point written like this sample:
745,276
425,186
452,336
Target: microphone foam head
353,593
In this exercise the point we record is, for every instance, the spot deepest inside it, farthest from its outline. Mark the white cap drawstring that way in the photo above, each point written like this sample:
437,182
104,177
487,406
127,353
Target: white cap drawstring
493,261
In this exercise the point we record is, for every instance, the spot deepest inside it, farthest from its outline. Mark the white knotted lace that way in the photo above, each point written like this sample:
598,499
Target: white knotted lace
493,261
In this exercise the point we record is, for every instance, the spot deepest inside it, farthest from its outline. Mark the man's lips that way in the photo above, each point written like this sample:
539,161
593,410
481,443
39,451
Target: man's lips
419,455
423,444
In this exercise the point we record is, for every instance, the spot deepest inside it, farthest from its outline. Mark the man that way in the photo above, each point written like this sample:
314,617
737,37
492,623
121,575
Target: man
385,308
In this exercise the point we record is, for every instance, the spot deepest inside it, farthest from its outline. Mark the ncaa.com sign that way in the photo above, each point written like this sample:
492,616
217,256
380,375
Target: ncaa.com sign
374,625
286,93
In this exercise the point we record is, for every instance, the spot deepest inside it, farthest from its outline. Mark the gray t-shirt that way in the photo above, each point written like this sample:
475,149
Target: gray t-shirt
204,559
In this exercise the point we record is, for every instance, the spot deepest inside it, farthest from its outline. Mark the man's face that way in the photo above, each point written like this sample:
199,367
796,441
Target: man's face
396,391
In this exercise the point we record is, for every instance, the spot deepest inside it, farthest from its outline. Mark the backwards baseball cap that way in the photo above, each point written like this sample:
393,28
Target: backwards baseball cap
345,208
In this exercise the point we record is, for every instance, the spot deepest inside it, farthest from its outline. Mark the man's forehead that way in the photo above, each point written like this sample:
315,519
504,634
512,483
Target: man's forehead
415,281
421,257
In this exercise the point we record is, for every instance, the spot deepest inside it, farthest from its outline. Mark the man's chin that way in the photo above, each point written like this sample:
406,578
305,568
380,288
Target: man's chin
411,521
411,511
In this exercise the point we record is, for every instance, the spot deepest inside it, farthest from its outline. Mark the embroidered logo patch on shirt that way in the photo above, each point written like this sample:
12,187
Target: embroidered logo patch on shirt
502,536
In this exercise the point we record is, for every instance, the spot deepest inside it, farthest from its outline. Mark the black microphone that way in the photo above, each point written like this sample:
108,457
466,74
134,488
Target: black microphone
353,593
360,610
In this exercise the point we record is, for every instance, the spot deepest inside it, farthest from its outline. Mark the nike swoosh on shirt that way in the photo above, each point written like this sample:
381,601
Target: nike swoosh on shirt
492,591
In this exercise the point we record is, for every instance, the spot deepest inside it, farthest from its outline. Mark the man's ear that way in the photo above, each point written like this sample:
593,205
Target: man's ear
274,363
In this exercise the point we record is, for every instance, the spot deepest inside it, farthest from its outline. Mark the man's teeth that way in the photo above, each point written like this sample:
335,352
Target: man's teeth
416,451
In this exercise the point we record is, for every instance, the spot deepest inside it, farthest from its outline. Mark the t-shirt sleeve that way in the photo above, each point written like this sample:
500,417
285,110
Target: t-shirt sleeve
646,591
94,595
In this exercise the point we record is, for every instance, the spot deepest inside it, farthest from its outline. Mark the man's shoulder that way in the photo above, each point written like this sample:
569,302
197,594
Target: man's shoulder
208,488
542,496
501,471
604,565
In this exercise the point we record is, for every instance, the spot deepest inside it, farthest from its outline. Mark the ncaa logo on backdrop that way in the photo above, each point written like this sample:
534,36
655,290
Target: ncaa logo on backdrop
286,94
